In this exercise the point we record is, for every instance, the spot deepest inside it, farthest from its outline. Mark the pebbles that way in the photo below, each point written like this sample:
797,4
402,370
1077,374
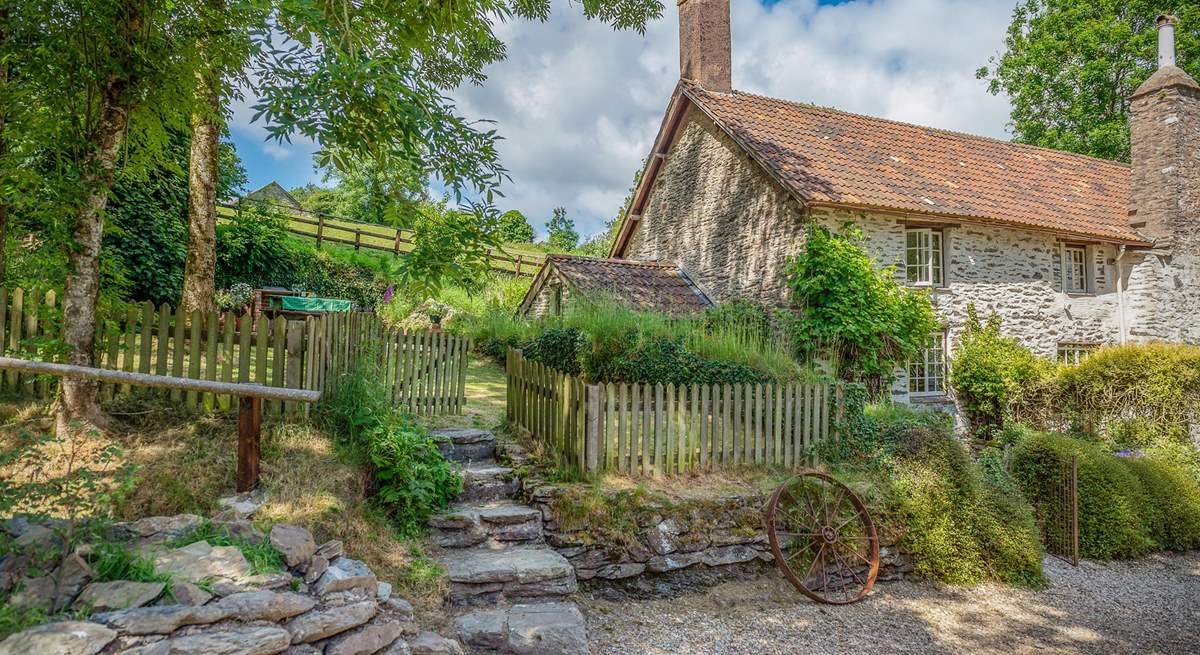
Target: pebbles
1144,606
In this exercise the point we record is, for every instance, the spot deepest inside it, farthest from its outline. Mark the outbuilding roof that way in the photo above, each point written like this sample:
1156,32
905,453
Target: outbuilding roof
644,285
828,157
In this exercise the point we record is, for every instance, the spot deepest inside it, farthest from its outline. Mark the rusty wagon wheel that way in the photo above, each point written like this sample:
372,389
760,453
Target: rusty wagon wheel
823,538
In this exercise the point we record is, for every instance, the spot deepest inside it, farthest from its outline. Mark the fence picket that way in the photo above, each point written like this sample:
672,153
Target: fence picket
210,359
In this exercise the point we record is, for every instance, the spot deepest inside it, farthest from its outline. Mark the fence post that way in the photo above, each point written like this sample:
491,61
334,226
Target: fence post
295,338
397,246
320,228
592,435
518,265
839,396
357,238
249,432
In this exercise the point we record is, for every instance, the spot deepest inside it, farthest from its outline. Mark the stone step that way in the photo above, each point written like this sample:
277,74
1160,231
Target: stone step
465,445
481,576
525,629
488,482
497,524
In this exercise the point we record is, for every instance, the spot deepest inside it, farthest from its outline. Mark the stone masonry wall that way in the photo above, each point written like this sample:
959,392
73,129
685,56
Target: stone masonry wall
1163,296
715,213
720,217
544,300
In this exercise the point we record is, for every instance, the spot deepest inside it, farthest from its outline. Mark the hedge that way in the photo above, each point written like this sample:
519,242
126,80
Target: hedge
1128,506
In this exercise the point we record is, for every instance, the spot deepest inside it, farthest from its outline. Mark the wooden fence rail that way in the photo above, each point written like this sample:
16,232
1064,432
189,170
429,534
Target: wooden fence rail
398,241
424,373
654,429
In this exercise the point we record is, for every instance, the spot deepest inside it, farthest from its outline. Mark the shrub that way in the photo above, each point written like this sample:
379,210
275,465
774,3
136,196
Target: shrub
960,527
854,312
253,247
495,331
988,370
410,478
557,348
1134,395
666,361
1112,502
1172,511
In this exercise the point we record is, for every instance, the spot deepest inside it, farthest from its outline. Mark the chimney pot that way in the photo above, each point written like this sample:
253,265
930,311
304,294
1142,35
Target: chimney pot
704,44
1166,39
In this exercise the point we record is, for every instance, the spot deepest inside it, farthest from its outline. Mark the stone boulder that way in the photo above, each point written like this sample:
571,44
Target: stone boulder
245,640
345,574
118,595
62,638
319,624
199,561
160,620
431,643
370,638
265,605
294,543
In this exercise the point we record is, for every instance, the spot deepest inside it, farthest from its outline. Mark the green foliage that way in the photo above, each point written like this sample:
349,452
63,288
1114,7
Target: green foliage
112,561
960,526
1069,67
849,311
1172,511
14,619
1112,502
515,228
410,478
561,235
557,348
450,247
262,557
989,370
253,248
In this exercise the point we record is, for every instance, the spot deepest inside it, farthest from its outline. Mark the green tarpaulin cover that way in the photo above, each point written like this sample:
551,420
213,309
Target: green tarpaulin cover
302,304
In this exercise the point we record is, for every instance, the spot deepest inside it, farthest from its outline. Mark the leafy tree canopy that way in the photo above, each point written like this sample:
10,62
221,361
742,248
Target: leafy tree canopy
515,228
562,236
1069,68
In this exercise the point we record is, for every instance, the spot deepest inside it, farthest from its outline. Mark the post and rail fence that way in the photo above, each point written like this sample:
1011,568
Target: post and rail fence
641,429
383,238
250,398
424,372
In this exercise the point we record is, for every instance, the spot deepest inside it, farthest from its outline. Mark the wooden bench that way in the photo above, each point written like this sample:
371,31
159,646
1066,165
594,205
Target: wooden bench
250,397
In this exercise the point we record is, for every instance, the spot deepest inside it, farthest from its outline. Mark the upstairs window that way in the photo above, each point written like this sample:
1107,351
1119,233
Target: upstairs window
1073,353
923,257
1075,278
927,372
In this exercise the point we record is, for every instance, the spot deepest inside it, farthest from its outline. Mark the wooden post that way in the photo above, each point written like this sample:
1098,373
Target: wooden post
518,265
249,433
357,238
295,342
320,228
592,436
397,247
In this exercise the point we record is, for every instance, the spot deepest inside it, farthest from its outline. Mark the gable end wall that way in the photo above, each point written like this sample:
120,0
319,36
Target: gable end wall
716,214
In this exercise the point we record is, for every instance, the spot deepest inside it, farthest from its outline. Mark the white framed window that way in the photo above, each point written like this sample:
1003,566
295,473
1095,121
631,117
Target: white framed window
1073,353
927,372
1075,277
923,257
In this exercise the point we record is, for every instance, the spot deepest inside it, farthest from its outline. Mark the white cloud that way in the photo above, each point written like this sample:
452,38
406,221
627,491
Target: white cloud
578,104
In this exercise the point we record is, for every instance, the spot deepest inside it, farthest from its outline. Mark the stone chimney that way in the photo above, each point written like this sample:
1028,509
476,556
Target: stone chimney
704,44
1164,133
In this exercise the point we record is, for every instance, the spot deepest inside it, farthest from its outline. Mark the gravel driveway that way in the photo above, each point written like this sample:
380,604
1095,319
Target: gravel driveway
1147,606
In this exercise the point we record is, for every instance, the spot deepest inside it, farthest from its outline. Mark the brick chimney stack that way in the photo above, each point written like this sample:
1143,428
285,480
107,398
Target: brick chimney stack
704,44
1164,132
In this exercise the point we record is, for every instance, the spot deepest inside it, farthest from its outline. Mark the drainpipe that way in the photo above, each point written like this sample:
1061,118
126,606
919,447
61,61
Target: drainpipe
1121,327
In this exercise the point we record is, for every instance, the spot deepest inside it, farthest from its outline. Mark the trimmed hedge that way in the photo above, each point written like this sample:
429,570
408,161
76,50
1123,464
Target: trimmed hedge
1127,506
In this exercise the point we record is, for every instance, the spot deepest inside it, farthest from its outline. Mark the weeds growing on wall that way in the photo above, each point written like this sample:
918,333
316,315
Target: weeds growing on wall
410,478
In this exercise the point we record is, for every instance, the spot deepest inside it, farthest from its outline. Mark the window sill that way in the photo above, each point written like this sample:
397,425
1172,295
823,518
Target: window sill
929,399
1080,294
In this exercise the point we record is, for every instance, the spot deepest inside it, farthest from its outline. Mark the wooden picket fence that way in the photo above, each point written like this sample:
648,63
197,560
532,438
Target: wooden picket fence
646,430
424,373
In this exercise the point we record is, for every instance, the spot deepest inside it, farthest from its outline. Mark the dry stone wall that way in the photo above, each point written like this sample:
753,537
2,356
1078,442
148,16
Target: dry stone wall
323,602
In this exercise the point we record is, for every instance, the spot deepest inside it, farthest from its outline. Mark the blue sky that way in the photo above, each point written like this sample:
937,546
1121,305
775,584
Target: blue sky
578,103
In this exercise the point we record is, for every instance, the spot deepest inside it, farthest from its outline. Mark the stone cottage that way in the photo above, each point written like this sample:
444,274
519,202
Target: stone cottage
1071,251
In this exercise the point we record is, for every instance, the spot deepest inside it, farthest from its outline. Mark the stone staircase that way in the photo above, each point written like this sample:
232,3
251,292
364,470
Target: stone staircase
511,589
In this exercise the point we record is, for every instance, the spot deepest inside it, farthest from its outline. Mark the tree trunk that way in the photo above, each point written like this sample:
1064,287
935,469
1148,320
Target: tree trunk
3,148
79,407
200,268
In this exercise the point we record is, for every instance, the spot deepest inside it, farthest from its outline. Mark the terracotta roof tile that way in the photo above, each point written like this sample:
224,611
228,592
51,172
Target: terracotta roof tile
834,157
649,286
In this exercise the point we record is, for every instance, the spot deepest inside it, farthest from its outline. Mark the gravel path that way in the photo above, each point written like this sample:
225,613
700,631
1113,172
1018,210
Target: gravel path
1147,606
